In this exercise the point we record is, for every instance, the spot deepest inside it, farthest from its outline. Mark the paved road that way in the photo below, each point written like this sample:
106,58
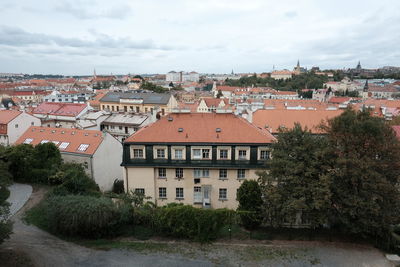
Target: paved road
19,195
48,250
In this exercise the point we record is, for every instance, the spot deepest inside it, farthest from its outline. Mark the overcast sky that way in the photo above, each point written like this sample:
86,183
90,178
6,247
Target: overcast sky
214,36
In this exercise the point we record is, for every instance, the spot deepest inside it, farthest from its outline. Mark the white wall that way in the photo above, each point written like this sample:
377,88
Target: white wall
106,162
19,125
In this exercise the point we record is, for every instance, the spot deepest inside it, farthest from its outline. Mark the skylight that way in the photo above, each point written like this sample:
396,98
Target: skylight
55,142
83,147
28,140
63,145
44,141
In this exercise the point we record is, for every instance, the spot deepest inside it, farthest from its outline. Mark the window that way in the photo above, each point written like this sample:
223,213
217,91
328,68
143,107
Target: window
161,153
162,192
241,173
28,140
32,123
44,141
197,153
162,173
264,154
63,145
223,154
242,154
197,196
137,153
83,147
178,154
120,127
198,173
223,193
223,174
206,153
16,125
179,192
179,173
139,191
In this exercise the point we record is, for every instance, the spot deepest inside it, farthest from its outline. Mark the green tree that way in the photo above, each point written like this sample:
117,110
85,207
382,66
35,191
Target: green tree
47,156
297,183
250,201
365,174
20,159
5,180
219,94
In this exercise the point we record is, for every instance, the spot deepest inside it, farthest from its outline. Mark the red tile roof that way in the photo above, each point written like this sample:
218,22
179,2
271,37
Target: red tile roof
396,129
201,128
8,115
60,109
74,137
339,100
274,119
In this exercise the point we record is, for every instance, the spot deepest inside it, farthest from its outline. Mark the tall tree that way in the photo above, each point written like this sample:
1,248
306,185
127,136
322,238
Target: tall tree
365,174
250,201
5,179
297,183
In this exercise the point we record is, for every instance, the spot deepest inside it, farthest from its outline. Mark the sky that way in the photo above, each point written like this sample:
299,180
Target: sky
74,37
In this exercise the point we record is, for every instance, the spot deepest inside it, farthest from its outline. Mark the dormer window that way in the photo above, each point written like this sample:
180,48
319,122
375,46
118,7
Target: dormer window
138,153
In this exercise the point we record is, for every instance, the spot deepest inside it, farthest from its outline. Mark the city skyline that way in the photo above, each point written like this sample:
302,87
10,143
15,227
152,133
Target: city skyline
73,37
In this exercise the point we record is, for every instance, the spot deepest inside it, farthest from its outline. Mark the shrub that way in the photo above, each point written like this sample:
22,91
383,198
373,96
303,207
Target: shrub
118,186
74,180
82,216
188,222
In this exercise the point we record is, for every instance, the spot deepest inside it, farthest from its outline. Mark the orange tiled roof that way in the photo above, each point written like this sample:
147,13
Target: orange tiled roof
201,128
74,137
274,119
8,115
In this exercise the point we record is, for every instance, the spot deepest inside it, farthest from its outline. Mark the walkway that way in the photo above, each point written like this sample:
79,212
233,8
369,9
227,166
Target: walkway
19,195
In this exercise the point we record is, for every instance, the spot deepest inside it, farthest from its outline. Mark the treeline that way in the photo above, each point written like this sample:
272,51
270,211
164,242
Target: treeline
345,181
303,81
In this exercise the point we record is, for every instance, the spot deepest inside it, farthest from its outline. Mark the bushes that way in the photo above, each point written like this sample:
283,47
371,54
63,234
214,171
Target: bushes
83,216
185,221
118,186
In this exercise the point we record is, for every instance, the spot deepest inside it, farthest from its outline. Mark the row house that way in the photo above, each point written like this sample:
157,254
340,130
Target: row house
59,114
13,124
200,159
138,102
68,97
98,152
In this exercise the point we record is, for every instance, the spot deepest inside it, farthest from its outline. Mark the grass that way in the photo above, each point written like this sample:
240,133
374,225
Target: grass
37,216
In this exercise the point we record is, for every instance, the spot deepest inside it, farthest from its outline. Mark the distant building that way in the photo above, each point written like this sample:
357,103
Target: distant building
13,124
281,74
98,152
68,97
59,114
197,159
174,76
138,102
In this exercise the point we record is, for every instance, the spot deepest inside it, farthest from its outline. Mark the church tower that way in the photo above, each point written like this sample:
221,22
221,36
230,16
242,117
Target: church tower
365,90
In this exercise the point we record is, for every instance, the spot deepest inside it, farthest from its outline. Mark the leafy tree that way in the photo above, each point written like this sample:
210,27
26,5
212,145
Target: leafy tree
5,179
297,183
153,87
20,159
250,201
219,94
365,174
47,156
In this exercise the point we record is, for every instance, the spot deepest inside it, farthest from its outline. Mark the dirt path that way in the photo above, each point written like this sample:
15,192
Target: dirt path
47,250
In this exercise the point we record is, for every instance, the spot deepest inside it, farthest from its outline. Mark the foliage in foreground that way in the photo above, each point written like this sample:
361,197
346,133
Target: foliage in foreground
5,179
82,216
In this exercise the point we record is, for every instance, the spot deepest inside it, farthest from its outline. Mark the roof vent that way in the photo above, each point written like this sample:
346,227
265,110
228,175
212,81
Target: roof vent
72,132
86,134
63,132
53,131
41,130
180,130
170,119
218,130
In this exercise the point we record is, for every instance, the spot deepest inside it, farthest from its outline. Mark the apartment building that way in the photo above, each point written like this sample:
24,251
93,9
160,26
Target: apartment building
13,124
199,159
138,102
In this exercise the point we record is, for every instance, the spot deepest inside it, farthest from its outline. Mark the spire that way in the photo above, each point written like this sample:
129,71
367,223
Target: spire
298,63
366,86
94,73
232,72
358,66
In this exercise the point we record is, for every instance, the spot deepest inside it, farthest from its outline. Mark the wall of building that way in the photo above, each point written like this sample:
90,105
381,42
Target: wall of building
19,125
106,162
83,159
147,178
